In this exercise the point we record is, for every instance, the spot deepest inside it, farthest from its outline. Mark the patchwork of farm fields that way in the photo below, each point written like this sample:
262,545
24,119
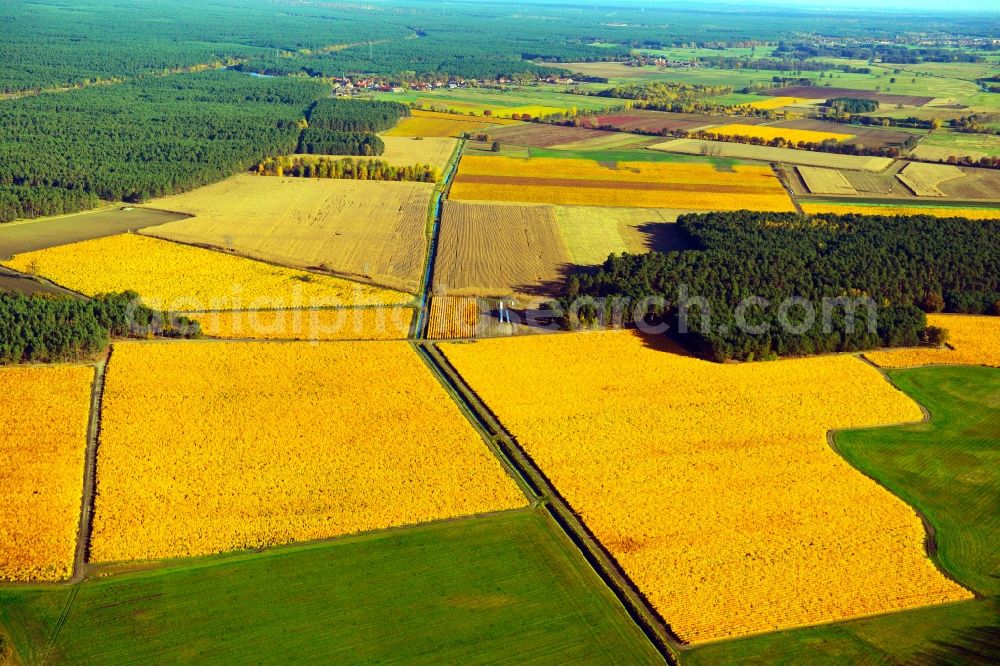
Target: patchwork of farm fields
373,231
175,277
625,184
207,447
784,532
43,435
414,422
771,154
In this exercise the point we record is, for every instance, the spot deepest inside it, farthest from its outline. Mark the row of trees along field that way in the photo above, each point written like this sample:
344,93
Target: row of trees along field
907,265
825,146
346,168
47,329
146,138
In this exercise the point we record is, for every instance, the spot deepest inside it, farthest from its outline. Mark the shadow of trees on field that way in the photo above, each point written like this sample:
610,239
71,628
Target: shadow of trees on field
664,237
973,646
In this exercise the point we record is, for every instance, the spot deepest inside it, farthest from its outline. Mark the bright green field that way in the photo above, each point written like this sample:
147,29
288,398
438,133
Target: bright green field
988,144
505,589
949,469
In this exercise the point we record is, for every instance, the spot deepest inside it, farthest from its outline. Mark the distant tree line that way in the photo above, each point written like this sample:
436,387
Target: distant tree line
134,141
346,168
905,265
47,329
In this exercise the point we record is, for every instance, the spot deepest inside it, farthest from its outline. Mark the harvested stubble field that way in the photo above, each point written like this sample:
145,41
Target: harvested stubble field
592,233
453,317
432,123
373,231
973,340
871,137
43,437
923,179
313,324
975,184
545,136
498,249
403,151
825,181
208,446
624,184
175,277
729,526
823,92
839,208
658,121
770,154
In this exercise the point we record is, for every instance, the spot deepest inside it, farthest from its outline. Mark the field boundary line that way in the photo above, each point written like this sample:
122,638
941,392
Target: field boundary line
90,471
633,602
930,529
435,212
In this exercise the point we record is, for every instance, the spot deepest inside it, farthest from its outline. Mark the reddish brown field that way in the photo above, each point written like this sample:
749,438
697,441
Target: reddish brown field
657,121
871,137
540,135
818,92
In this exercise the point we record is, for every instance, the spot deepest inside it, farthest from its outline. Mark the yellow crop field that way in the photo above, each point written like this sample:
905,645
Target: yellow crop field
372,231
174,277
880,209
402,151
453,317
313,324
43,438
974,340
714,485
777,102
208,447
625,184
768,133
